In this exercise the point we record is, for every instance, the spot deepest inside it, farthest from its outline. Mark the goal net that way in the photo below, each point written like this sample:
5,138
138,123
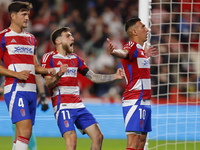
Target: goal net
175,74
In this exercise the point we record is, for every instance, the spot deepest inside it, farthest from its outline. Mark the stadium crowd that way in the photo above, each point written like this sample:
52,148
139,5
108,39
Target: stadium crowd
92,21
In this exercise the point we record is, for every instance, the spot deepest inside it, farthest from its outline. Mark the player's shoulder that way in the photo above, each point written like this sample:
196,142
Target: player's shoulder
4,32
47,56
129,45
29,34
73,55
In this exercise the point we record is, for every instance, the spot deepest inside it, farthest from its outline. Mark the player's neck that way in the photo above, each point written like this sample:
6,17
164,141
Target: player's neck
62,52
137,41
15,28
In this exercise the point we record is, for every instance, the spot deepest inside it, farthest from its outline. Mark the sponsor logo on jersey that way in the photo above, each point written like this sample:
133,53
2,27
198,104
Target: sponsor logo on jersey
143,63
146,63
22,50
71,72
23,112
66,123
13,41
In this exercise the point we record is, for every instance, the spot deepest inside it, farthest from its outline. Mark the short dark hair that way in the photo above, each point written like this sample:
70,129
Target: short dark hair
131,22
18,6
58,33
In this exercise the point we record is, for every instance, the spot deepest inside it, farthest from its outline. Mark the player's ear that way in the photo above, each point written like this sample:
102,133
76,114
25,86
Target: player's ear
134,32
57,41
12,15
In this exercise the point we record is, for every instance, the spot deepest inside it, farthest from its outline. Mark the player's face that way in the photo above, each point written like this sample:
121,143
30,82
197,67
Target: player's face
67,42
142,31
21,18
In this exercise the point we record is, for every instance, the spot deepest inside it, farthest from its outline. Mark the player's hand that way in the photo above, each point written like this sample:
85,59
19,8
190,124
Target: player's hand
111,46
23,75
63,69
51,71
151,51
43,102
119,74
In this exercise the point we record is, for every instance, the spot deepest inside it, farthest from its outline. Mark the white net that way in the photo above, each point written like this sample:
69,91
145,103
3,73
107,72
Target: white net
175,72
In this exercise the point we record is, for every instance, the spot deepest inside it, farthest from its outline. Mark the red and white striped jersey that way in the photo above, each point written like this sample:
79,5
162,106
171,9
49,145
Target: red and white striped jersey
67,89
17,54
137,73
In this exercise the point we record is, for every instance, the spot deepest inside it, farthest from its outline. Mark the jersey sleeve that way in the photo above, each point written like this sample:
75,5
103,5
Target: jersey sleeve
46,61
35,43
132,50
2,43
82,67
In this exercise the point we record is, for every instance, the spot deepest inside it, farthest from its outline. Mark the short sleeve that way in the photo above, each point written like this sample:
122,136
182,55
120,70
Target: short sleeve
46,61
82,67
132,50
3,44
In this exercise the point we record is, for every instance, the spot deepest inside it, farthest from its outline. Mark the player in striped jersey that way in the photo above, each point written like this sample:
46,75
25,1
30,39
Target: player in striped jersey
67,105
136,98
19,65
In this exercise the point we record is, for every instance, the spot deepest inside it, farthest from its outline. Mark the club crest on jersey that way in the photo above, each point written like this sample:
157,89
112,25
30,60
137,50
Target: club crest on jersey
29,41
66,123
141,123
73,63
23,112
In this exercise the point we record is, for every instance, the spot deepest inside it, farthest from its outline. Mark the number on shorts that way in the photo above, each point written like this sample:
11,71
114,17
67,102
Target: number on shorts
142,113
20,102
64,116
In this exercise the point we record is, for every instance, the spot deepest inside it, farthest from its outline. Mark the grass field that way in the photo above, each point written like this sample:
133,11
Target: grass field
59,144
108,144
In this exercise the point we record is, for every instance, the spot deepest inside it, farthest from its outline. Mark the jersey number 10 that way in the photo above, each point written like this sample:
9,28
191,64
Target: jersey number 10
142,113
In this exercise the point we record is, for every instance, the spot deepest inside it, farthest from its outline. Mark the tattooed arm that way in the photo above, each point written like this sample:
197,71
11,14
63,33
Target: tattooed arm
51,81
101,78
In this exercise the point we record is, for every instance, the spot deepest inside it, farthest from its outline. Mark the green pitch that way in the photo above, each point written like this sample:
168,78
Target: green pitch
59,144
108,144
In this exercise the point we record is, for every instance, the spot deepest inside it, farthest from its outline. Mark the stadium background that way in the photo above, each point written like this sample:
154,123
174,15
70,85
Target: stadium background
91,22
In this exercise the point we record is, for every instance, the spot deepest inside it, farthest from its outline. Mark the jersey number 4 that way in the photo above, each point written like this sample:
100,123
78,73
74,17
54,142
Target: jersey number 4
20,102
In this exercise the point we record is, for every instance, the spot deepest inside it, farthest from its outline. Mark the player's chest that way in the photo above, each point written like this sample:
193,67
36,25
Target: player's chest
57,62
72,69
20,45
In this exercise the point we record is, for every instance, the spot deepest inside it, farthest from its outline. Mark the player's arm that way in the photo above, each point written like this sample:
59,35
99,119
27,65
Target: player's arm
121,53
51,81
41,70
150,51
22,75
103,78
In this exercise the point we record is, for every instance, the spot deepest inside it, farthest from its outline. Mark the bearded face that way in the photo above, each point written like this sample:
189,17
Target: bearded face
67,42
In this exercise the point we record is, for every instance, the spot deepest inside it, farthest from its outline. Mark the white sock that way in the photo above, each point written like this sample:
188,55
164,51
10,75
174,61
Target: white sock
22,143
14,143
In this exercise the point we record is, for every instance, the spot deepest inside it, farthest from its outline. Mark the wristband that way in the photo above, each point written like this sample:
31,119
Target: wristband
58,75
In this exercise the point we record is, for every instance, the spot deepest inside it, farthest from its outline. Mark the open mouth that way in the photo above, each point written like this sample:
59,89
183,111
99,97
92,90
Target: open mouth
71,44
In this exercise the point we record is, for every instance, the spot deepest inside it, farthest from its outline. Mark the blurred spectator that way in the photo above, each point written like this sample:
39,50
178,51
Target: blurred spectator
4,17
92,21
